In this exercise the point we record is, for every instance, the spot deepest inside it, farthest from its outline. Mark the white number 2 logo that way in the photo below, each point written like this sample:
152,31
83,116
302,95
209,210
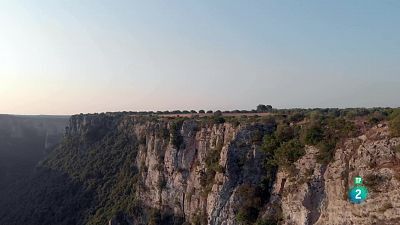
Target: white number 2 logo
358,195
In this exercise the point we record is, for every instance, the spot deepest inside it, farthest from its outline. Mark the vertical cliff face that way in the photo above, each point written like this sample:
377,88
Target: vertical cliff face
198,178
186,169
124,169
153,170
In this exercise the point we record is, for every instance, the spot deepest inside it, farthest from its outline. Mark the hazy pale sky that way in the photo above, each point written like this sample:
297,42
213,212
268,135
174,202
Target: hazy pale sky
65,57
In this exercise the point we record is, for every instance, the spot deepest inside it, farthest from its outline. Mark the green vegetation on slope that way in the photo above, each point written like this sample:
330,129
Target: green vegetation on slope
394,123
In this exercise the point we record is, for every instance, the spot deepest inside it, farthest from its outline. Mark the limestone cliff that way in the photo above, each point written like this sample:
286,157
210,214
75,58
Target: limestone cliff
175,174
126,169
185,188
189,169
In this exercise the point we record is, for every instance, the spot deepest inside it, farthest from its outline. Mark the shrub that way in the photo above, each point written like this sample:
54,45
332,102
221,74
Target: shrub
270,144
233,120
246,215
355,112
212,167
176,137
289,152
212,159
218,119
312,134
199,219
377,117
316,115
326,151
339,128
394,126
250,203
217,113
164,133
296,117
284,132
264,108
256,137
325,132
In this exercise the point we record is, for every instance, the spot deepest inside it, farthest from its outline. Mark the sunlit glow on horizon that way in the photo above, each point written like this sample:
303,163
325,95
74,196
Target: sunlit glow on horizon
68,57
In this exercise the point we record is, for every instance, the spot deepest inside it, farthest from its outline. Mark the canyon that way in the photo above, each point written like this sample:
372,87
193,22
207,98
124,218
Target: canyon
116,168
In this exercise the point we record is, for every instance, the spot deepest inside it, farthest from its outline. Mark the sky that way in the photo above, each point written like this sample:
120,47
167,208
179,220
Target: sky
80,56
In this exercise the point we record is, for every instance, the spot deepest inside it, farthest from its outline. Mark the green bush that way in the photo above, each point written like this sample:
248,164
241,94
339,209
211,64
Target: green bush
246,215
235,121
212,159
289,152
218,119
212,167
176,137
325,132
256,136
296,117
199,219
250,203
326,151
312,134
352,113
284,132
377,117
394,126
264,108
282,147
271,143
218,113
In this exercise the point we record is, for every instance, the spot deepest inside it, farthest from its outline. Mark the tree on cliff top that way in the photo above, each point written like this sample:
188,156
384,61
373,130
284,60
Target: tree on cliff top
264,108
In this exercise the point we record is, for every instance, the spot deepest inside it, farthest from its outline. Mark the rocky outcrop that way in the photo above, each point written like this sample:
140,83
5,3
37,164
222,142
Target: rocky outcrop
175,178
120,168
195,170
317,194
